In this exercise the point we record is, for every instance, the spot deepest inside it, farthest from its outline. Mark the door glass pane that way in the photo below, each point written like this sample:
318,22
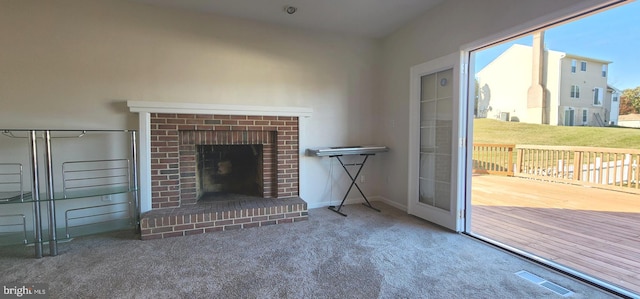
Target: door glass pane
428,87
436,114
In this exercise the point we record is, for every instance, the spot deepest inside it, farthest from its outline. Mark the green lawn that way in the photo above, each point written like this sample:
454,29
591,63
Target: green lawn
495,131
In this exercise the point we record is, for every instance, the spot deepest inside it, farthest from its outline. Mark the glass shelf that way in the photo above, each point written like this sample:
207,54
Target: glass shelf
15,197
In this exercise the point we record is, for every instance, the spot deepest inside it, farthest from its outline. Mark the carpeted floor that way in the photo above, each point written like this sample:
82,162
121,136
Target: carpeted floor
364,255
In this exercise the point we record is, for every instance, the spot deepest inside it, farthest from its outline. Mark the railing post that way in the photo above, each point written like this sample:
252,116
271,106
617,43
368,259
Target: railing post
510,170
577,165
520,159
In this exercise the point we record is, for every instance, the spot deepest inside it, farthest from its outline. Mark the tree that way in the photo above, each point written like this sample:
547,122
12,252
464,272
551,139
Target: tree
625,106
630,101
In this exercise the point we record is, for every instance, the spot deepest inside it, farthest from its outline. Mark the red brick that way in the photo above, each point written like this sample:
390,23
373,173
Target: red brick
272,217
186,127
241,220
168,149
158,143
223,222
158,155
170,193
166,115
195,121
250,225
167,127
176,121
259,218
205,224
158,132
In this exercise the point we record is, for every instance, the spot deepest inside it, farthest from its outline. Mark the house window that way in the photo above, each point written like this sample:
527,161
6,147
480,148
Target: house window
597,96
583,66
573,65
615,98
604,70
584,116
575,91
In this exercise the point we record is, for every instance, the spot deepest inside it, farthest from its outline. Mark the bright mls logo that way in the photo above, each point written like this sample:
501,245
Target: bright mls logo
36,290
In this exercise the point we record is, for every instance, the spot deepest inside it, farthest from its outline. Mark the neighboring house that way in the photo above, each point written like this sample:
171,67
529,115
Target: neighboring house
629,120
614,112
574,88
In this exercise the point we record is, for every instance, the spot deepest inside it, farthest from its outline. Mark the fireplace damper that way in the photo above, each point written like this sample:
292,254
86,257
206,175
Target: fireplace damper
227,170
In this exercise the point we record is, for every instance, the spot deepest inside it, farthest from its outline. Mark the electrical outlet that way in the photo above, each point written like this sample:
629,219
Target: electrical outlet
362,180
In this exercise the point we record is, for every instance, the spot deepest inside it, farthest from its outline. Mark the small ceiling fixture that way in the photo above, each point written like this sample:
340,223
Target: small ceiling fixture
290,9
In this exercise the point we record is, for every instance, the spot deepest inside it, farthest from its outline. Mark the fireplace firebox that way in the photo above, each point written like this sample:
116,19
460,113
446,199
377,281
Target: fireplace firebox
224,170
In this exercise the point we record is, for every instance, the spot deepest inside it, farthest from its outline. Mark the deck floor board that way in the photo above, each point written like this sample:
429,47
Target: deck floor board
591,230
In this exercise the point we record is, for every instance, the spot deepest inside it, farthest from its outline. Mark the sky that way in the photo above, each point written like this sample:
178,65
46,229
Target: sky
612,35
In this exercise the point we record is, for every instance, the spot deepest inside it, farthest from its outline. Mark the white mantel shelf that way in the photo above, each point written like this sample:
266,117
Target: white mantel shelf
195,108
144,110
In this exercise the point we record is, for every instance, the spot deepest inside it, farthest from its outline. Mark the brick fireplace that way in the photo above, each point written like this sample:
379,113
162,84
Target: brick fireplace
173,152
173,139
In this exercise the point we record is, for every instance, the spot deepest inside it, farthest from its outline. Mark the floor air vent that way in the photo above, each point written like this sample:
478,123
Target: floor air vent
543,282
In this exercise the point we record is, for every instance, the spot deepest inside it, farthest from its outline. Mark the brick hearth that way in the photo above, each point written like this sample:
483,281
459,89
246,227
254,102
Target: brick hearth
173,173
220,216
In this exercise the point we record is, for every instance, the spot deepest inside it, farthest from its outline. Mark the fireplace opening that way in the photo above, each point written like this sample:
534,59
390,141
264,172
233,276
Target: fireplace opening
224,171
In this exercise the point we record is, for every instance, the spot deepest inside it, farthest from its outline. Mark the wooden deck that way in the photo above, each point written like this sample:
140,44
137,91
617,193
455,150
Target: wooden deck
591,230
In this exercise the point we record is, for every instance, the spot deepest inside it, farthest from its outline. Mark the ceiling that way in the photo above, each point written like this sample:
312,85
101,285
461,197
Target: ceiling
367,18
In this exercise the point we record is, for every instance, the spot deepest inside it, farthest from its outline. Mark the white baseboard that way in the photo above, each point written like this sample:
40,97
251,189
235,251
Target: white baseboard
392,203
357,200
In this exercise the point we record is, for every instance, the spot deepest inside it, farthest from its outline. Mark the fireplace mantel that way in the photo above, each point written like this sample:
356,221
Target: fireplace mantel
145,108
195,108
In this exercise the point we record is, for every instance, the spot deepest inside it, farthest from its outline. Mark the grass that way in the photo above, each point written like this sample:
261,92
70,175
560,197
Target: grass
495,131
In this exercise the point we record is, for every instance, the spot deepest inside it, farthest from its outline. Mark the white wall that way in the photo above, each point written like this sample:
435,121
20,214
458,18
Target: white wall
441,31
72,64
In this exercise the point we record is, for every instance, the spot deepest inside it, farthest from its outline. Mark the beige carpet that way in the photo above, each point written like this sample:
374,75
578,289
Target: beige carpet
365,255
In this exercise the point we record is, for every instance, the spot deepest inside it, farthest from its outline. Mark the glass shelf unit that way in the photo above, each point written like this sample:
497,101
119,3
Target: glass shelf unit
57,184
